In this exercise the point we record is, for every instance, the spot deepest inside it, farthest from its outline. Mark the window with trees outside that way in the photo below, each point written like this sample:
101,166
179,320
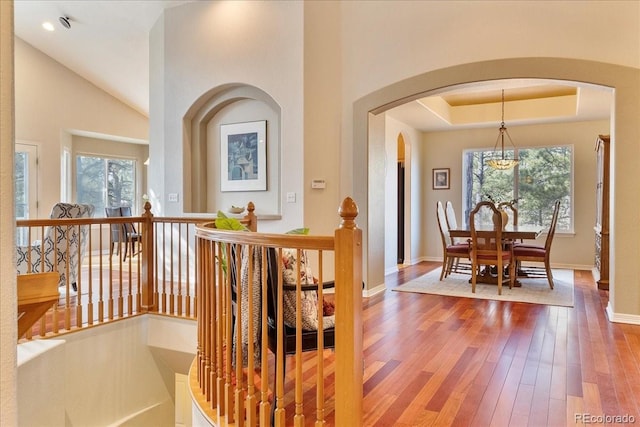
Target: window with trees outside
543,175
105,182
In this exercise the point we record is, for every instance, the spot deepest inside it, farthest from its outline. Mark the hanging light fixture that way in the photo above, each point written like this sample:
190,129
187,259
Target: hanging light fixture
500,161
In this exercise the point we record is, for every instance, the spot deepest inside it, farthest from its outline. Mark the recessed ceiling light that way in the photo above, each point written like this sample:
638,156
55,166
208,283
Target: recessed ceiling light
48,26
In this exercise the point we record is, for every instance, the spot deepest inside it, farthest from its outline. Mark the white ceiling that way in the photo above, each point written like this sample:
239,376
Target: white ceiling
108,44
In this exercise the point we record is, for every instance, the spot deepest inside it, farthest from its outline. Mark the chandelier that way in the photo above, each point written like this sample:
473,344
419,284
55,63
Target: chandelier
500,161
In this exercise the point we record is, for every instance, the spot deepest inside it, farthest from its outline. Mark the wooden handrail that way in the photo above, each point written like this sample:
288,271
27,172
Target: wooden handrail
159,279
37,292
225,392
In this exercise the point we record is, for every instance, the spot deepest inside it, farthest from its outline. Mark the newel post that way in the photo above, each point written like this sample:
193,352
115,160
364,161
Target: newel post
148,297
348,294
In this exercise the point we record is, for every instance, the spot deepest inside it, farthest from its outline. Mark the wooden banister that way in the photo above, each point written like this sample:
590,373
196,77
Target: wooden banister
224,382
37,292
349,354
148,300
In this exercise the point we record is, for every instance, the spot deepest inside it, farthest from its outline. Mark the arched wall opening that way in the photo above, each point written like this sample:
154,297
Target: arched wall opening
228,104
401,198
368,137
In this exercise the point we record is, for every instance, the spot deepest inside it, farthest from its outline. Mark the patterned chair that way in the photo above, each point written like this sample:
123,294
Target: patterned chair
55,243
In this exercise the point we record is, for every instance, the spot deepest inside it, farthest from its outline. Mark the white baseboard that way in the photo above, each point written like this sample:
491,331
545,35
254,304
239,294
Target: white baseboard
631,319
391,270
366,293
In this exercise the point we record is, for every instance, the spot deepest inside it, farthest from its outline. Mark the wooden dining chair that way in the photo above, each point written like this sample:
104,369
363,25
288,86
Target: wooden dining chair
511,210
487,246
450,214
535,253
451,252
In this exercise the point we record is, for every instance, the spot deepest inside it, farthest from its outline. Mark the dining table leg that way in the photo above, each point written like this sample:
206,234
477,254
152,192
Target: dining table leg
487,276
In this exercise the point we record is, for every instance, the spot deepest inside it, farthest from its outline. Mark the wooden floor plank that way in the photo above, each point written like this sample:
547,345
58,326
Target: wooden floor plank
532,365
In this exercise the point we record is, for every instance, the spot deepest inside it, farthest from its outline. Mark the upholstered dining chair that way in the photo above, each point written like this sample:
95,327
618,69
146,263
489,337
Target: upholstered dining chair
540,254
452,222
487,246
62,248
451,252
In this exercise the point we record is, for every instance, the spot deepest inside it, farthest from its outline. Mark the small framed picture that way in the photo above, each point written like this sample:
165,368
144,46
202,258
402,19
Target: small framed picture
441,179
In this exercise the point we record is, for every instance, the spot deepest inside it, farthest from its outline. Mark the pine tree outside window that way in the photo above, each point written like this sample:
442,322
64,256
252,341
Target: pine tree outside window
544,174
105,182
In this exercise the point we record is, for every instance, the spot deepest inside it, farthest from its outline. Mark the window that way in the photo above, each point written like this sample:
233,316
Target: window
543,175
105,182
25,185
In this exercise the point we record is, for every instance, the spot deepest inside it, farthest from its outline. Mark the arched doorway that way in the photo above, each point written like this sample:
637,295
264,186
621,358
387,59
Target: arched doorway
368,145
401,199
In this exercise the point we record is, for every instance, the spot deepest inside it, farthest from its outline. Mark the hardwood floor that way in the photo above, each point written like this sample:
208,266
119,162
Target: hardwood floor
444,361
434,360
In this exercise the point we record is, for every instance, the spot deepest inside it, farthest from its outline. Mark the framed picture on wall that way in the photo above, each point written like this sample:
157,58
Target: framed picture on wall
441,179
243,156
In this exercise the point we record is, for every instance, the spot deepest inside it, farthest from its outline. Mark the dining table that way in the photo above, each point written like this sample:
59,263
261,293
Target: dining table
510,234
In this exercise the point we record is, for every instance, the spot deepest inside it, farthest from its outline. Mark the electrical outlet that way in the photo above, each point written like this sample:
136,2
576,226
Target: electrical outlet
173,197
291,197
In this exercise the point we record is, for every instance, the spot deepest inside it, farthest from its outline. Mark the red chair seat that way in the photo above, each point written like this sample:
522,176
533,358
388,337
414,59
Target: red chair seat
458,248
529,251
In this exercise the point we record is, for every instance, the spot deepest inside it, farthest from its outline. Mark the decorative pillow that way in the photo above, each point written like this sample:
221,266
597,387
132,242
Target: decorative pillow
309,299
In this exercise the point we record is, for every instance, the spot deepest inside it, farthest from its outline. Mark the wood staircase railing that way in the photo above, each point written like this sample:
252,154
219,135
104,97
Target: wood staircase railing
176,274
159,279
37,293
230,374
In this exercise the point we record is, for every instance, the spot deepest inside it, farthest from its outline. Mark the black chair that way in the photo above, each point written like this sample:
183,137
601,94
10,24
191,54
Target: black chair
123,233
116,229
131,235
309,337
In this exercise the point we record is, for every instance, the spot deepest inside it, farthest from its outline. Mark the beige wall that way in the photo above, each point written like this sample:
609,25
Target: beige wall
322,142
8,296
53,104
